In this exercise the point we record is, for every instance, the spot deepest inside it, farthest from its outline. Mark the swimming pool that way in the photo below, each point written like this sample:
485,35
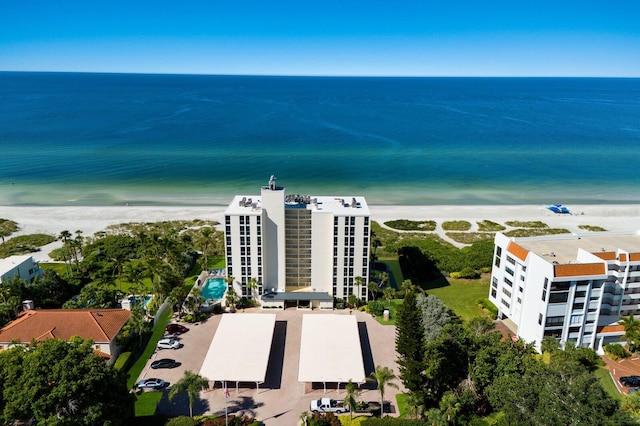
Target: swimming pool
214,288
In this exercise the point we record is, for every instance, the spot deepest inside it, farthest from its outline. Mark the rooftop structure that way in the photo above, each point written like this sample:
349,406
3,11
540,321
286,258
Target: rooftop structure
574,288
21,265
298,243
330,350
100,325
239,351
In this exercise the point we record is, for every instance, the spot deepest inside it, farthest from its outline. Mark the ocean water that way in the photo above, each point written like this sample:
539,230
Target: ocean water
112,139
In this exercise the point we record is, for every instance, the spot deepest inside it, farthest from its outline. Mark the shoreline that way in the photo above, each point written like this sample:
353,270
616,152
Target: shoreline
91,219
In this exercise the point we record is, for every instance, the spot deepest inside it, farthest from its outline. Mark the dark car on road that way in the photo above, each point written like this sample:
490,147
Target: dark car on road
165,363
151,384
176,329
630,381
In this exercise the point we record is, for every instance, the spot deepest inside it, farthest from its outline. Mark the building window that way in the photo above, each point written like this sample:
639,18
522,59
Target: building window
505,303
494,282
554,321
509,271
498,251
511,260
227,220
241,220
258,220
493,293
507,292
539,319
559,297
508,281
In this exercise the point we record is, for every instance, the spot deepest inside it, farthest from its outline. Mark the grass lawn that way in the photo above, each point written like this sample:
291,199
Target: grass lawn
146,403
395,273
461,296
605,380
158,332
59,268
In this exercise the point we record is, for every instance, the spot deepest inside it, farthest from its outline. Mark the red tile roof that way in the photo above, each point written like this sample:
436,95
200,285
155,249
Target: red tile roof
100,325
517,251
607,255
579,269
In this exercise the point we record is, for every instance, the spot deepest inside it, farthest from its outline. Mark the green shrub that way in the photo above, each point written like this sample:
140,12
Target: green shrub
469,273
392,421
376,307
486,305
530,224
592,228
616,351
122,363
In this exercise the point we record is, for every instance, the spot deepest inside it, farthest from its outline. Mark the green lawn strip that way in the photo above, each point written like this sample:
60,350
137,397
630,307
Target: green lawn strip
158,332
24,244
607,383
358,419
216,262
58,268
395,272
461,296
401,400
146,403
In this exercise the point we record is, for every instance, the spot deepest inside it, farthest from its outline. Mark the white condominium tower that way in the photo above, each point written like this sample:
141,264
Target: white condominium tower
574,288
303,249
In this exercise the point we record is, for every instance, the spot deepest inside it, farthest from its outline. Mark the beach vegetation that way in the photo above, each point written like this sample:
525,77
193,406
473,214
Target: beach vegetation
592,228
412,225
456,225
535,232
489,226
526,224
25,244
469,237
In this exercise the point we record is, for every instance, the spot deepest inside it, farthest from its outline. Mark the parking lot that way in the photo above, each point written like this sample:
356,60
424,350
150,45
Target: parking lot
281,399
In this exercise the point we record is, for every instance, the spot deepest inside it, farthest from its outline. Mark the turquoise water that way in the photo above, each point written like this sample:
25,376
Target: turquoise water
214,288
112,139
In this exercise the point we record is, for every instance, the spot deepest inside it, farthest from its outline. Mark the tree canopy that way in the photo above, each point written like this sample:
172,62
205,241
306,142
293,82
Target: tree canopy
62,383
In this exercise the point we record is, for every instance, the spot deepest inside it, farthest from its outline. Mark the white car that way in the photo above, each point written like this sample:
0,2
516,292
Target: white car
168,344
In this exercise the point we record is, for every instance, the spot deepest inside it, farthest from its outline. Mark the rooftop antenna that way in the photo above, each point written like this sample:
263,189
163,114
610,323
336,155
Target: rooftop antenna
272,182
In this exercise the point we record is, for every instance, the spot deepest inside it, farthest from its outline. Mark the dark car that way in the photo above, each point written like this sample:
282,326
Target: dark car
176,329
150,384
164,363
630,381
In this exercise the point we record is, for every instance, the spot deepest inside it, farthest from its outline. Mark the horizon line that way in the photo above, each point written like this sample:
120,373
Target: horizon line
316,75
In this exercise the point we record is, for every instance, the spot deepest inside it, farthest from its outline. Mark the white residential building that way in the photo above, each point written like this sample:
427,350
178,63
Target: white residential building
301,249
574,288
22,265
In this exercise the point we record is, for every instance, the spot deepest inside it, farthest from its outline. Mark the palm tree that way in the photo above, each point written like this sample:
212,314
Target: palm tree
407,286
384,279
64,236
416,408
387,293
204,240
231,299
190,383
252,284
373,289
383,376
351,397
359,281
631,331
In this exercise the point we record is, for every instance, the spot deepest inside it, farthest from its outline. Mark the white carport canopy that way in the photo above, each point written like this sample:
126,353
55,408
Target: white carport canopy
239,351
330,350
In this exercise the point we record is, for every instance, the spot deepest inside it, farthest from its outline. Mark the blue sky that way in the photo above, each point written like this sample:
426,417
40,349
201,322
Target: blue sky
400,38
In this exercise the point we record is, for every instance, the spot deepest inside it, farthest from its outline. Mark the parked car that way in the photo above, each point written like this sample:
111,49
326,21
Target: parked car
164,363
176,329
168,344
630,381
633,390
153,383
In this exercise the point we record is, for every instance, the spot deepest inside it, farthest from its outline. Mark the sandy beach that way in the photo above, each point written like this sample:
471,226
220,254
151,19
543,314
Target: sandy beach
53,220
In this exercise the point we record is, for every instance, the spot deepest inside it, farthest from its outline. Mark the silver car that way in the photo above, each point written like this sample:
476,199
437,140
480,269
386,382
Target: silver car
168,344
